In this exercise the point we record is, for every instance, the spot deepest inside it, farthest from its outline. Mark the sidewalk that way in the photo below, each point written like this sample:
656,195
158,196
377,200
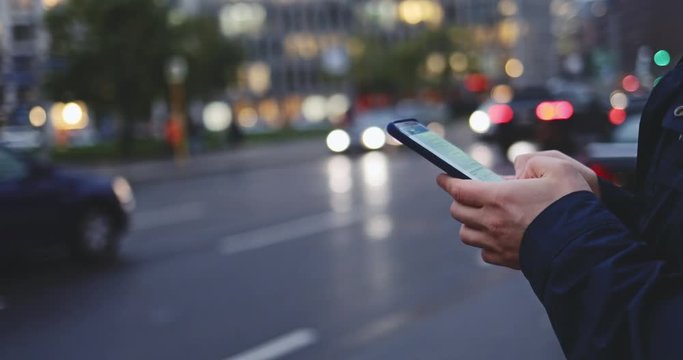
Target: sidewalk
228,160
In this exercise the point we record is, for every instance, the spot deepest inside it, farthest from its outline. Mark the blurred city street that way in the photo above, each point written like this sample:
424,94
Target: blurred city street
329,257
213,179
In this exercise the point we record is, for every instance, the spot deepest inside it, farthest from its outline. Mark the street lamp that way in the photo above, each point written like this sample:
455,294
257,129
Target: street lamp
176,73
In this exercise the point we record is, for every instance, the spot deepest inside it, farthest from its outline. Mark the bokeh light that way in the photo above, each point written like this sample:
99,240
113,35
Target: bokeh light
337,105
508,7
520,148
258,77
617,116
662,58
502,94
436,64
37,116
269,111
414,12
314,108
72,114
217,116
509,31
501,114
514,68
338,140
631,83
458,62
618,100
247,117
49,4
480,122
373,138
241,18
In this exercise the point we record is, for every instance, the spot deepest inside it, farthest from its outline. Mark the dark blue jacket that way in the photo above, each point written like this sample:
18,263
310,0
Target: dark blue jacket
610,272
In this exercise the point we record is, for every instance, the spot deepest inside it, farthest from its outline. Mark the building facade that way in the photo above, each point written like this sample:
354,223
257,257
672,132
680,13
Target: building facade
23,51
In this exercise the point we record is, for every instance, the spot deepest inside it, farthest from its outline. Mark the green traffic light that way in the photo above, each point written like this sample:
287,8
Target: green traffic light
662,58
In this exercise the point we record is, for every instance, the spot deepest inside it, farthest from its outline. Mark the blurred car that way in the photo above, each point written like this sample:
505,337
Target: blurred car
367,130
517,119
20,137
42,206
615,161
549,119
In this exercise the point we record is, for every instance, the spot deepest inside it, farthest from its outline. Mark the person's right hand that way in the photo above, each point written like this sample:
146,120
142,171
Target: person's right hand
589,175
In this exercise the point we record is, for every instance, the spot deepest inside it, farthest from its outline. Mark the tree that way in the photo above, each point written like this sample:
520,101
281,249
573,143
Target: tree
212,61
114,55
399,68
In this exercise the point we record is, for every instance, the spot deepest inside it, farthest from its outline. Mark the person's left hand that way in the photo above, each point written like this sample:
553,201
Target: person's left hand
495,215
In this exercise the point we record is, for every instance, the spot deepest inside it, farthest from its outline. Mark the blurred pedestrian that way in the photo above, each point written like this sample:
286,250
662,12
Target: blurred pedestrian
606,264
235,135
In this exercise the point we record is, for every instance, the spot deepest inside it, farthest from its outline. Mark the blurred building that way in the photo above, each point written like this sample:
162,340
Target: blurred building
23,50
302,48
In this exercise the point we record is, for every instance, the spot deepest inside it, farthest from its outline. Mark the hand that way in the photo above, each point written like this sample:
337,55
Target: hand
589,175
495,215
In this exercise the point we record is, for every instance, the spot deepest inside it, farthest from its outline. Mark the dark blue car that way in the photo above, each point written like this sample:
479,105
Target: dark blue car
42,206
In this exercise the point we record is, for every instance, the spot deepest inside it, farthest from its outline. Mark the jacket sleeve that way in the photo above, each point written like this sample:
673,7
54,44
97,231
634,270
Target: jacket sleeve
606,294
620,202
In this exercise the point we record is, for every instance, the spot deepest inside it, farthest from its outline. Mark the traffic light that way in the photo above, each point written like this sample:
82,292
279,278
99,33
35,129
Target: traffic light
662,58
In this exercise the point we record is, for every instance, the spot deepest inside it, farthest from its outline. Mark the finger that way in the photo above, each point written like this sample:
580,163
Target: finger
475,238
467,192
470,216
542,166
467,215
491,257
521,161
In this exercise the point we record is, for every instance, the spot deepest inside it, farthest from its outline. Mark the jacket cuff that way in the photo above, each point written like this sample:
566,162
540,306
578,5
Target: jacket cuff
552,230
610,194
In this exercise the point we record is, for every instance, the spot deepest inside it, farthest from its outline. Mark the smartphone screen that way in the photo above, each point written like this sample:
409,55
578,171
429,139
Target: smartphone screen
434,145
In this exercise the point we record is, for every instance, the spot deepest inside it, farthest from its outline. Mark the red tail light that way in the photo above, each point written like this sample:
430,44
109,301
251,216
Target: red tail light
603,172
501,114
554,110
617,116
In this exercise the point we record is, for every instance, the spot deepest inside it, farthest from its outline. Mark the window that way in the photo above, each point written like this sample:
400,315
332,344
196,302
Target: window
23,63
11,168
23,32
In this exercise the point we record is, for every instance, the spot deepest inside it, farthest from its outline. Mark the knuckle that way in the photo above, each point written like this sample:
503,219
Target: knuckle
521,159
454,210
464,236
488,257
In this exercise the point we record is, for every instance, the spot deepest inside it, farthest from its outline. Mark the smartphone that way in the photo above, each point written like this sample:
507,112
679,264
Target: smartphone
439,151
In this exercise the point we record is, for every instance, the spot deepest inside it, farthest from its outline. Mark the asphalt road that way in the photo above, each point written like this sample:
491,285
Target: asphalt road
332,258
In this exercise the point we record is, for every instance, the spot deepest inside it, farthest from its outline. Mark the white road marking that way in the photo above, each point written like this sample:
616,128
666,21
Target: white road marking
280,346
175,214
291,230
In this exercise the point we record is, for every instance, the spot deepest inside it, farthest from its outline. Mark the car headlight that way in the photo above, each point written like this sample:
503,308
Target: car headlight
480,122
373,138
123,192
338,140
